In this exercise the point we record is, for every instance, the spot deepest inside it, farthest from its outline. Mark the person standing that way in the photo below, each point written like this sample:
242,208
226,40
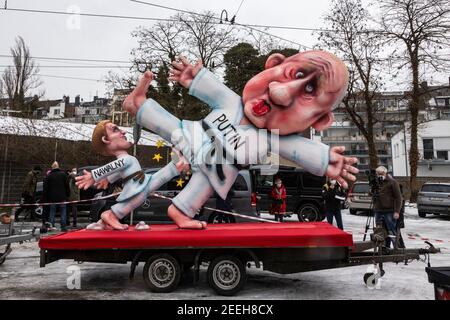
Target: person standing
333,195
225,205
388,204
278,195
56,189
29,193
74,196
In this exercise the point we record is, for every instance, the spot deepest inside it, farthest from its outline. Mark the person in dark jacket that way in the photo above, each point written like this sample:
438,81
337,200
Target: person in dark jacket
225,205
333,195
74,196
388,204
29,193
56,189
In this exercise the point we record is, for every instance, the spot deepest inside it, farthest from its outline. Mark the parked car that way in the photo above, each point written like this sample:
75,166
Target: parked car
434,198
155,209
303,192
358,198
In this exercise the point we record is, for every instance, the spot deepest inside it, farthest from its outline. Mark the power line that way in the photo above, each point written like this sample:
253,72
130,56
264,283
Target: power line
96,15
174,20
89,66
69,59
251,27
65,77
143,18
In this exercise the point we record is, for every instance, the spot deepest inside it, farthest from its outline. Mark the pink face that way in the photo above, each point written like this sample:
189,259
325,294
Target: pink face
116,140
295,93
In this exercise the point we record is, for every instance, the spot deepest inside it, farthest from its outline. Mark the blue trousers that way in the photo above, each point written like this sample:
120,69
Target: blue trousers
337,215
63,210
390,224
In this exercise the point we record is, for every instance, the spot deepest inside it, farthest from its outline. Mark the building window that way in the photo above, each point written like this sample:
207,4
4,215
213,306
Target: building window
56,112
442,155
428,150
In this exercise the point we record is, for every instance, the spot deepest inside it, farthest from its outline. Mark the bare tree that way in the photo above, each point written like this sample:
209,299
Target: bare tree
206,40
195,36
422,28
160,43
20,78
360,50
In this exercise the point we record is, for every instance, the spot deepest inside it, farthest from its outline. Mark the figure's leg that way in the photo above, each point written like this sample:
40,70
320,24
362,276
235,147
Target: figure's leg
154,117
187,203
137,97
149,113
109,218
121,209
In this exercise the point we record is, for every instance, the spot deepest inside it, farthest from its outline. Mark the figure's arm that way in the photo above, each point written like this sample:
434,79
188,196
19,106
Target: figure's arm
163,176
310,155
202,84
95,176
318,158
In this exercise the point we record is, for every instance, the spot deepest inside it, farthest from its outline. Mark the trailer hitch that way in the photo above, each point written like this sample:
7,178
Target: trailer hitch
432,249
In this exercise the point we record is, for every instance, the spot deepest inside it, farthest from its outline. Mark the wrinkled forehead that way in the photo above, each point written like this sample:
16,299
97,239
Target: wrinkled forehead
318,59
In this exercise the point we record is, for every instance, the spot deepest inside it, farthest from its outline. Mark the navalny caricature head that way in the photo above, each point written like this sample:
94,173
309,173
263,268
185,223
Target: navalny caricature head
109,140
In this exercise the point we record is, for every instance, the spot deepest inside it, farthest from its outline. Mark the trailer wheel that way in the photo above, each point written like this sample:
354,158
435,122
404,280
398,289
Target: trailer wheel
226,275
162,273
374,279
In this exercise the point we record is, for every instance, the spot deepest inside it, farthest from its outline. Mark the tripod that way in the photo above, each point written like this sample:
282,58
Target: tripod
370,218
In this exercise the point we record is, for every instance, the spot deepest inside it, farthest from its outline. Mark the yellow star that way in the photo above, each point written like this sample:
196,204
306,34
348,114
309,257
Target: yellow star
157,157
180,183
160,143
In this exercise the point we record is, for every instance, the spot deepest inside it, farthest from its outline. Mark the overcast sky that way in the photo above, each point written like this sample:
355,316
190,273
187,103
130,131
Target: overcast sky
49,35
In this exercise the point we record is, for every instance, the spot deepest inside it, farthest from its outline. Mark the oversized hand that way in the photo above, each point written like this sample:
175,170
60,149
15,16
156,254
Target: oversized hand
341,167
183,72
85,181
102,184
182,163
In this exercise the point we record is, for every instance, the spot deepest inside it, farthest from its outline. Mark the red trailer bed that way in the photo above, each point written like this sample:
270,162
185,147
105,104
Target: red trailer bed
248,235
227,248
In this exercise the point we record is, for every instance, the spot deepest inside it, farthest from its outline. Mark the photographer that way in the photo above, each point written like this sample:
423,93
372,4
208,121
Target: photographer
333,196
388,203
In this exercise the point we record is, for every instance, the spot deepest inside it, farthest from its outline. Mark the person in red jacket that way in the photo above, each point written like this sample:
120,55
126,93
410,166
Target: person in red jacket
278,196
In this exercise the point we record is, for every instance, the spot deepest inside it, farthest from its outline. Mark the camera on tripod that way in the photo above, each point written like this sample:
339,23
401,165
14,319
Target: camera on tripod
375,183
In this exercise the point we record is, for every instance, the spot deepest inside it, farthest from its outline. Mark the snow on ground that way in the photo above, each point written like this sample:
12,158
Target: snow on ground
21,277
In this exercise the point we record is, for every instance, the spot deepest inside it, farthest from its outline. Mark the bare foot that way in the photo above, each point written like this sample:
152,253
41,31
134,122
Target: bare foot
183,221
138,96
99,225
110,219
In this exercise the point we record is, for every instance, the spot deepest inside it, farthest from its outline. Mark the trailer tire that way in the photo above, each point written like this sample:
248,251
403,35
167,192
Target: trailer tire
374,280
226,275
162,273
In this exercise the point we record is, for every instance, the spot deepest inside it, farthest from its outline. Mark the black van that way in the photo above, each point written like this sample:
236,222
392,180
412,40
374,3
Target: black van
303,191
